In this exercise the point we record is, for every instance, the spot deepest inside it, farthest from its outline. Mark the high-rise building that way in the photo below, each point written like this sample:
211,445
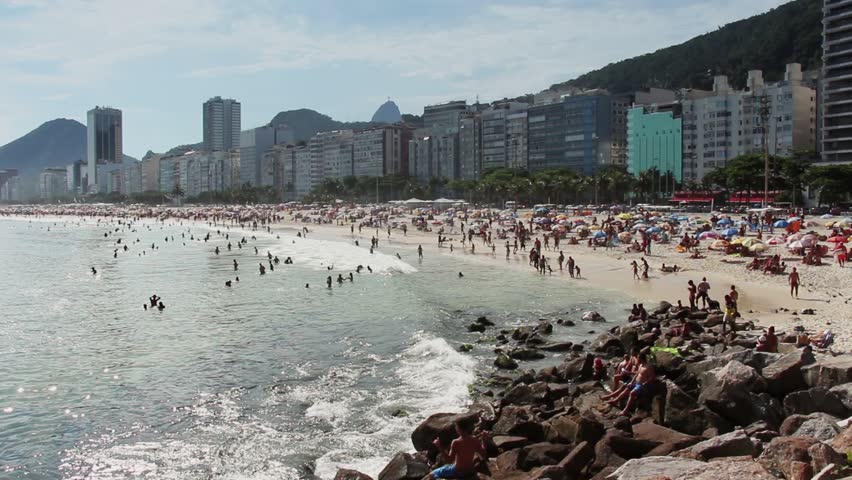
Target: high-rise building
52,183
836,90
444,114
778,118
253,143
381,151
495,135
221,124
151,172
103,143
470,146
575,133
76,177
132,177
516,139
10,185
655,141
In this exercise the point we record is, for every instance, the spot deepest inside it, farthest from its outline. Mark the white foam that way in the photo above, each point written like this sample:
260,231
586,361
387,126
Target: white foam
328,411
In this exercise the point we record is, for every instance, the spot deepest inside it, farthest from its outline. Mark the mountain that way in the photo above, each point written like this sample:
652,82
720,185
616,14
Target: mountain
53,144
789,33
388,112
307,123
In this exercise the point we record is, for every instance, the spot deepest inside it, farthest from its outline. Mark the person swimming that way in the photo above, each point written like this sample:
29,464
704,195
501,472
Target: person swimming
351,277
359,268
328,281
339,278
161,307
236,265
398,256
461,275
262,269
369,269
227,283
94,271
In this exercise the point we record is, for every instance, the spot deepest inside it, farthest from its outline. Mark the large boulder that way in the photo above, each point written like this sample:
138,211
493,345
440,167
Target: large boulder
439,425
728,469
829,371
843,441
817,399
592,316
504,362
844,393
656,467
822,455
606,342
682,413
820,428
731,391
523,394
785,374
575,429
734,444
648,430
748,357
543,453
505,443
577,459
526,354
346,474
518,421
789,457
629,337
663,308
579,367
404,466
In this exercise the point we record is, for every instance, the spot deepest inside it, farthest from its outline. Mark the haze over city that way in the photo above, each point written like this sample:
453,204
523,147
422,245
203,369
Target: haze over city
158,61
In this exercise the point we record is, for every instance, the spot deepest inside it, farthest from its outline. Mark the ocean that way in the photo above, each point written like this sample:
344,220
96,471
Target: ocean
266,379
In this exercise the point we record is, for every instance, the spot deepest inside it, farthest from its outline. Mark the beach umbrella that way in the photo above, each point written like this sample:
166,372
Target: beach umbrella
625,216
794,237
827,215
654,230
706,235
729,232
595,227
600,234
794,219
808,240
844,222
837,239
781,224
719,244
625,236
751,241
795,245
775,241
725,221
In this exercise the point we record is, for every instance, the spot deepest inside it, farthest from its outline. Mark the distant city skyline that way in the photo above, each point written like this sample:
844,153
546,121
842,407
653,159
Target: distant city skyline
340,58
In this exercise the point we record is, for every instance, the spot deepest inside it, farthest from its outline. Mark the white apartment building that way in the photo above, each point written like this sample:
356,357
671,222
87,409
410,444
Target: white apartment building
729,123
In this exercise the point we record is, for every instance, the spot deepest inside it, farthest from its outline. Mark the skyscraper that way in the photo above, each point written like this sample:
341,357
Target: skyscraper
103,142
221,124
837,84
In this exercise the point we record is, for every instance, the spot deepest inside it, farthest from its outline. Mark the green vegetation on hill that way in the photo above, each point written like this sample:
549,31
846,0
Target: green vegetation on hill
789,33
306,123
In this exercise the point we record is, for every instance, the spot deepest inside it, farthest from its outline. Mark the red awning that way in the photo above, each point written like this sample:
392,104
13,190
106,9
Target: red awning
692,199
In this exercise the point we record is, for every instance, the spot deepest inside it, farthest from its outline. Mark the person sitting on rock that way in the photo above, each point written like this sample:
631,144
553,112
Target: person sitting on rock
599,370
638,387
625,373
462,452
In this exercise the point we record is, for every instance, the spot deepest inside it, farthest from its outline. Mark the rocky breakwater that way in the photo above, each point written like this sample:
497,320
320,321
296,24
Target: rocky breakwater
717,409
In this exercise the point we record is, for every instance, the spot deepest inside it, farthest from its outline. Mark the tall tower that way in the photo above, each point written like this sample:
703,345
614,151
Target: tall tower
221,124
837,81
103,142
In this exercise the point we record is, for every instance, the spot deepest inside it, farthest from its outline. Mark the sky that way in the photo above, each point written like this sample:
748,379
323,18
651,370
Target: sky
159,60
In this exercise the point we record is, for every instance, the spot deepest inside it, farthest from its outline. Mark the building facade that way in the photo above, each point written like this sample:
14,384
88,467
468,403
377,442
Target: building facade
470,146
75,175
10,185
444,114
381,151
253,143
52,183
221,124
575,133
655,140
836,92
103,143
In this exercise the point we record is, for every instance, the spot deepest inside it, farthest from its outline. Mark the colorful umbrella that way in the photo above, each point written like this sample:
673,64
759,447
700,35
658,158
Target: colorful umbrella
728,232
837,239
781,224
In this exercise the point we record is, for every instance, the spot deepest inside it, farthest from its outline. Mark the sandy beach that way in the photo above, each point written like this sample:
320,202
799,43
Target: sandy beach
764,299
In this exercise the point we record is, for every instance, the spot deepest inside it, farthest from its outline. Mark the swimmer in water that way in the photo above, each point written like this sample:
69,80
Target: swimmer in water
227,283
357,244
161,307
307,285
369,269
398,256
328,281
94,271
237,279
461,275
236,265
145,307
359,268
339,278
217,250
351,277
262,269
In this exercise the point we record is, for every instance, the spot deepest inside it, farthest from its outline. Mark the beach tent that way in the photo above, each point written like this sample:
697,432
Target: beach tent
416,201
827,215
600,234
781,224
719,244
725,221
654,230
729,232
706,235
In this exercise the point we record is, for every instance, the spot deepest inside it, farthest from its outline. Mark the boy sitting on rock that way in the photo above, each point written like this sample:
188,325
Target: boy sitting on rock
462,453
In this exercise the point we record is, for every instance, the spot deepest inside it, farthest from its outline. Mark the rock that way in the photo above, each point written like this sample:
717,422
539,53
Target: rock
523,394
629,338
728,469
548,472
823,455
439,425
543,453
698,315
606,341
844,393
829,371
788,457
592,317
656,468
521,334
535,340
785,374
404,466
843,441
508,442
627,447
510,461
544,327
732,444
557,347
346,474
568,323
577,459
577,368
484,321
663,308
518,421
667,363
817,399
476,327
465,347
575,429
504,362
526,354
648,430
683,413
729,391
819,428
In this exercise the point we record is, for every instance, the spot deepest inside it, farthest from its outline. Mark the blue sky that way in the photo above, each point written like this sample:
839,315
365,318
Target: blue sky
159,60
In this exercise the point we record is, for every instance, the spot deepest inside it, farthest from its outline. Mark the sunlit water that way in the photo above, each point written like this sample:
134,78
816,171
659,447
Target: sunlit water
266,379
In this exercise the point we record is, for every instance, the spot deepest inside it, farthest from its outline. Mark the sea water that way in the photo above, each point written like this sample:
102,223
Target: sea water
266,379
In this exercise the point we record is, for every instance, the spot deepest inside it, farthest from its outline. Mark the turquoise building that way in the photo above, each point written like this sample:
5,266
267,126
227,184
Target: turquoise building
654,139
